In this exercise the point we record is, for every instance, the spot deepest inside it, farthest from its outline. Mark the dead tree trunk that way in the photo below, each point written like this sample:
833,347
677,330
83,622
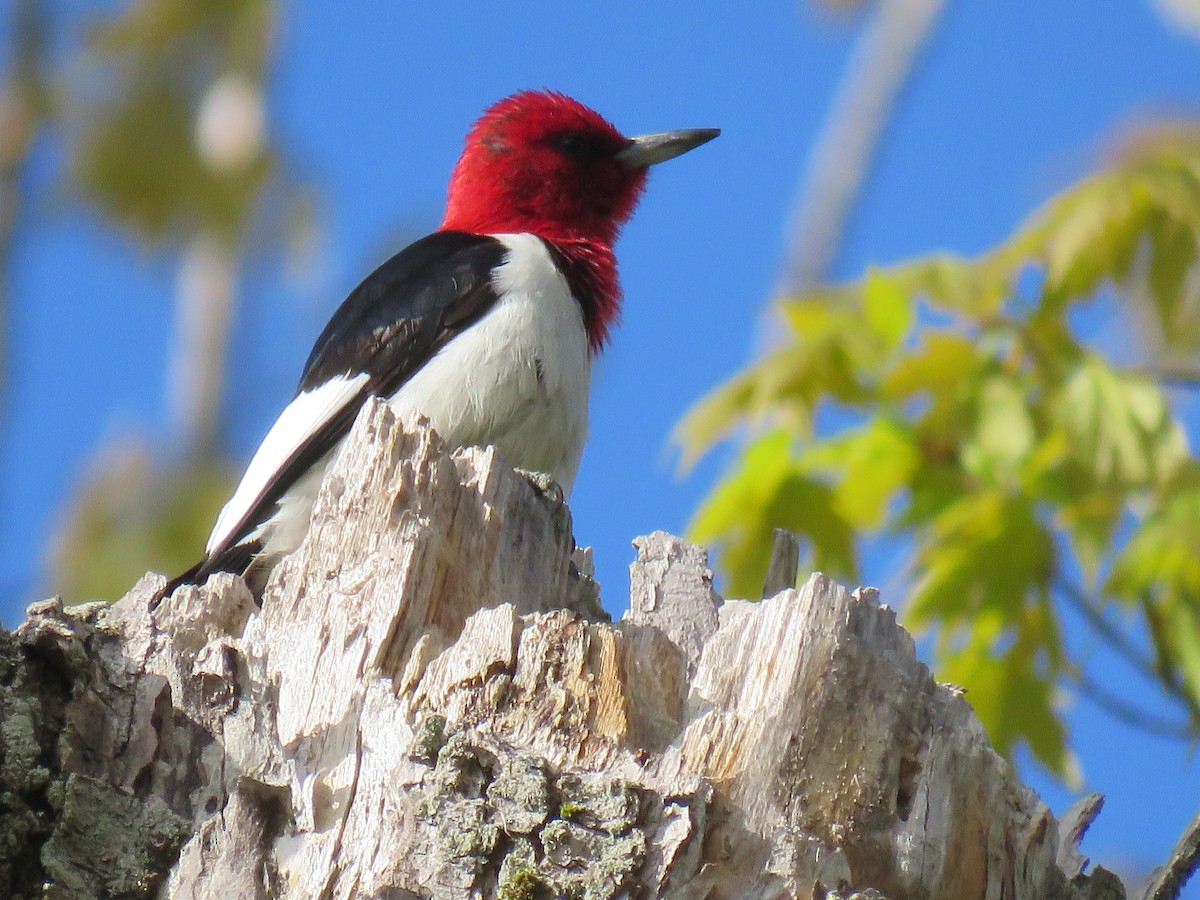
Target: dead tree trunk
430,703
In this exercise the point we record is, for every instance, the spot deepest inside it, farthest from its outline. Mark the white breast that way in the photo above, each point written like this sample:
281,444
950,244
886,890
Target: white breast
518,378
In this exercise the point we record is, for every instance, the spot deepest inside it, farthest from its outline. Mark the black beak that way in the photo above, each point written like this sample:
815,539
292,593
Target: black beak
649,149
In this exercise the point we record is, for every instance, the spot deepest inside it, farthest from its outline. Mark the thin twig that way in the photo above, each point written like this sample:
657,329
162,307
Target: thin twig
1075,597
880,65
1163,667
1128,713
1078,600
204,319
1169,376
1149,668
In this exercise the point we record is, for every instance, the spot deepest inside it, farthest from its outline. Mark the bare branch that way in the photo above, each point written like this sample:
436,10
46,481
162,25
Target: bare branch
880,65
204,316
1116,640
1077,599
1128,713
1169,376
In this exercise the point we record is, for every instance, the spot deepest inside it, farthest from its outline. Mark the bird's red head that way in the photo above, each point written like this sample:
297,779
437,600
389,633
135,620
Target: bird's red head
542,163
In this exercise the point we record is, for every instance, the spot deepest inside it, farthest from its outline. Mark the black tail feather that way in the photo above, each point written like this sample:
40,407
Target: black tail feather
191,576
238,560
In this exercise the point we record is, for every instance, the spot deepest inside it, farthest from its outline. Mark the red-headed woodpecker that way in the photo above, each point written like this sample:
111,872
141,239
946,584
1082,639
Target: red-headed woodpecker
487,326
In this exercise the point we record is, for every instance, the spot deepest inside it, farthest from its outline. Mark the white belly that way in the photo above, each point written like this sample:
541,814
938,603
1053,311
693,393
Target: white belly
518,379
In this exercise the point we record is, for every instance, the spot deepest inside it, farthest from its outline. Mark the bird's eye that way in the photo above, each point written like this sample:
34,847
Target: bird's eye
576,146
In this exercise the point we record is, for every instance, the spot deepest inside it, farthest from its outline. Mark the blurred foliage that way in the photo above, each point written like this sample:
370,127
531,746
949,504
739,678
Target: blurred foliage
957,404
24,108
128,515
164,123
150,69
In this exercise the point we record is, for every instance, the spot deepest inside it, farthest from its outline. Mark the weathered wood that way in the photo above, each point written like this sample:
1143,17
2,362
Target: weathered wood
430,703
1072,826
782,567
1167,881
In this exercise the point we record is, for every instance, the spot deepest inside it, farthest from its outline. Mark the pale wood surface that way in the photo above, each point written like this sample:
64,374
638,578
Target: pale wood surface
430,702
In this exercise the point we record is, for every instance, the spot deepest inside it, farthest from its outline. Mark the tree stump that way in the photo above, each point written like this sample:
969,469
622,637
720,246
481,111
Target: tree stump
430,702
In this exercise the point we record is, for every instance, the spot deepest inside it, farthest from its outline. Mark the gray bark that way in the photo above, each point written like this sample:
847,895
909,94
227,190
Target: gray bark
431,703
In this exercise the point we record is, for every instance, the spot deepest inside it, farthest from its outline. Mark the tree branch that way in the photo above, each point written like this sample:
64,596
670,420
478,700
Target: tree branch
879,67
1075,598
1115,640
204,317
1169,376
1128,713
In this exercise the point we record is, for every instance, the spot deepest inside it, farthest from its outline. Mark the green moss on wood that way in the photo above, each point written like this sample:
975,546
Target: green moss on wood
524,884
429,739
108,844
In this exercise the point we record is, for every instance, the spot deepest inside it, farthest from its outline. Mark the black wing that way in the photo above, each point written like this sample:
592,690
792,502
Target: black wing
407,309
389,327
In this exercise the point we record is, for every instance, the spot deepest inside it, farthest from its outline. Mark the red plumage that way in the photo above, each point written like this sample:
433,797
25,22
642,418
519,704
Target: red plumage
543,163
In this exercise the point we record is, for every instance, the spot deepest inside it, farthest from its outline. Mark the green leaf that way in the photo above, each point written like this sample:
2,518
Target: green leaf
128,516
986,551
871,465
135,156
888,309
1003,435
941,362
1161,556
1182,618
958,285
714,417
1092,230
764,492
809,508
975,421
1120,425
733,518
1008,673
1172,257
1090,518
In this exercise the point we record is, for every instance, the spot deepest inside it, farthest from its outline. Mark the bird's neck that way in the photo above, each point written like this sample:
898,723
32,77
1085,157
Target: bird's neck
590,268
588,264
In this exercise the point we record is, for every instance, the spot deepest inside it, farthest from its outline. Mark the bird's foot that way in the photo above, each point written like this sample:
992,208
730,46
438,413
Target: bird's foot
544,484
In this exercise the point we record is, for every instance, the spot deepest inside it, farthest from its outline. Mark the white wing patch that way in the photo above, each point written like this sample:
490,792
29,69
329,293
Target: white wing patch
302,418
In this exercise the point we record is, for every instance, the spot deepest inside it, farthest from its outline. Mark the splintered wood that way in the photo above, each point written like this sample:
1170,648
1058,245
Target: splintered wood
430,703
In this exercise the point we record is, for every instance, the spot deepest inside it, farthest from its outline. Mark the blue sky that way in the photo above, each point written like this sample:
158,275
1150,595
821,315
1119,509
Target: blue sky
1013,101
